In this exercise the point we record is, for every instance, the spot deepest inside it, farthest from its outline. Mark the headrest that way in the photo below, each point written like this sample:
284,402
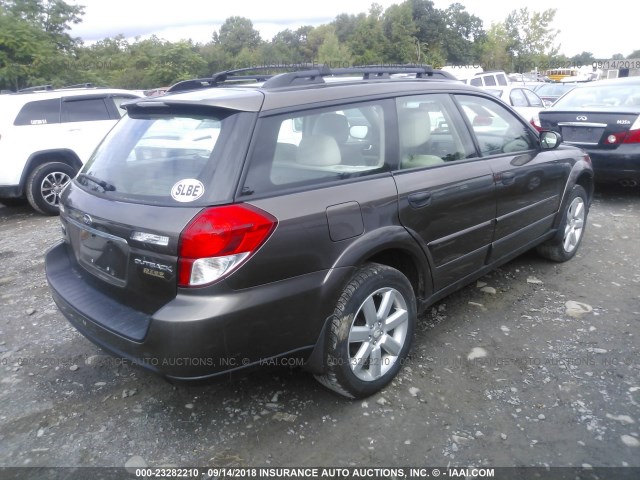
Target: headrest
334,125
414,126
318,150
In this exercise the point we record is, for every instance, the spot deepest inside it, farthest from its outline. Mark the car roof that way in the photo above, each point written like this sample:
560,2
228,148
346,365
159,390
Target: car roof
507,88
297,89
24,97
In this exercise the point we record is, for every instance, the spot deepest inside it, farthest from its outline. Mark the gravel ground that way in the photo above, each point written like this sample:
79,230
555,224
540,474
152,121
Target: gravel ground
504,372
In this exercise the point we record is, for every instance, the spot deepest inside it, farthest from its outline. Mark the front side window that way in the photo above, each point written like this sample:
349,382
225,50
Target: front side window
318,146
534,100
502,80
430,132
490,81
85,110
517,98
157,157
497,129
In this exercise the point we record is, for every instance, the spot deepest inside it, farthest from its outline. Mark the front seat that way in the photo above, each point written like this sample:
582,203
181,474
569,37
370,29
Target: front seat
414,127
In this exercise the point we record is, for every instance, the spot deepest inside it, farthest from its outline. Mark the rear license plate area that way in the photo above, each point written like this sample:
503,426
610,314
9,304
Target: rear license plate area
103,255
590,135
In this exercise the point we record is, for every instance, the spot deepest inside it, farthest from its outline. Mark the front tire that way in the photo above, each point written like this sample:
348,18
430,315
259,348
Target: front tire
574,220
45,184
370,333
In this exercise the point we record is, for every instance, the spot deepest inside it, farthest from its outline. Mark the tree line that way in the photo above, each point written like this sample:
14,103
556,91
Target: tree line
36,47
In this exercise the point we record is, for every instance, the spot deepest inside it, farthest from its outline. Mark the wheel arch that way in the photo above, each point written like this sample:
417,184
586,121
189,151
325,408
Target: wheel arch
36,159
581,174
391,246
395,247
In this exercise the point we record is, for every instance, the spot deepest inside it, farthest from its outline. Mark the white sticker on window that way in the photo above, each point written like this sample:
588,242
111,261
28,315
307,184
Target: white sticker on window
187,190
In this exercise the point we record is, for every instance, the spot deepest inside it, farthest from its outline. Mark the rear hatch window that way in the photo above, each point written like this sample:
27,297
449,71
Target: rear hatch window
172,156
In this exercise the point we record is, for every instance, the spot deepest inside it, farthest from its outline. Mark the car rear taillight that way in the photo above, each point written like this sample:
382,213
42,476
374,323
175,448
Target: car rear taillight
535,121
218,240
633,135
630,136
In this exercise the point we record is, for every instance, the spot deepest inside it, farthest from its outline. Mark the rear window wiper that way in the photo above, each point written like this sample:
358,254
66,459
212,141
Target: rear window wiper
105,185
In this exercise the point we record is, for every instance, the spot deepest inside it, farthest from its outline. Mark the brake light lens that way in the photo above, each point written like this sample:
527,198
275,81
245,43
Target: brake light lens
535,121
633,135
630,136
218,240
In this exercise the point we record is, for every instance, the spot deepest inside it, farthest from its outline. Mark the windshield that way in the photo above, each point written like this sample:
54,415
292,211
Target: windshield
600,95
554,89
155,157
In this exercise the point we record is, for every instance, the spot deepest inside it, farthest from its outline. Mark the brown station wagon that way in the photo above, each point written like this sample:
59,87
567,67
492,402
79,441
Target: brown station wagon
313,214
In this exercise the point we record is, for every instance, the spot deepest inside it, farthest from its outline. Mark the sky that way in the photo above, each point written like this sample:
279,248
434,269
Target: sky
583,27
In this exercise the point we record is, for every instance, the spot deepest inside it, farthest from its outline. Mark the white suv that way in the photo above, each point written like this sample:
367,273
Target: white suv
47,135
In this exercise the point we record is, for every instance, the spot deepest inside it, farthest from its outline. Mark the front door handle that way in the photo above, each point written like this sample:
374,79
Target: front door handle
420,199
507,178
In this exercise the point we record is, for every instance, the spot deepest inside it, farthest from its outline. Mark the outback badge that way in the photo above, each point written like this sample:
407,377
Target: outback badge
154,269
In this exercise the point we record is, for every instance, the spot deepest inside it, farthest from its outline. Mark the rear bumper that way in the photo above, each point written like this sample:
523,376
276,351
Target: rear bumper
613,166
198,336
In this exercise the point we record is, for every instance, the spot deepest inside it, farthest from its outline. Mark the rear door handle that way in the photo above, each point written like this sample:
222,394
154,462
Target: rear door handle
420,199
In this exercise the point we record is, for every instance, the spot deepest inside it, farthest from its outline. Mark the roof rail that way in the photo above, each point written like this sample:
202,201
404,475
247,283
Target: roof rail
37,88
47,88
80,85
237,75
368,72
306,74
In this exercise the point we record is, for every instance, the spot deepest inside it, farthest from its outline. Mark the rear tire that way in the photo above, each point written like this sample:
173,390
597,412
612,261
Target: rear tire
45,184
571,230
370,333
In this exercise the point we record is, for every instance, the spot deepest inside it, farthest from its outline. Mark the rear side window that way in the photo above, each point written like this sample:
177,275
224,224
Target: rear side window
85,110
502,80
316,147
40,112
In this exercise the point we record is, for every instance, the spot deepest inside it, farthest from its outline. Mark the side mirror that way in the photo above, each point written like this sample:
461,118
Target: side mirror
550,140
359,131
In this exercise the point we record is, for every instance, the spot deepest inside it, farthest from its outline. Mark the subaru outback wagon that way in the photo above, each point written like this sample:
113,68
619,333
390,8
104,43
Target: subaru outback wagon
304,216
